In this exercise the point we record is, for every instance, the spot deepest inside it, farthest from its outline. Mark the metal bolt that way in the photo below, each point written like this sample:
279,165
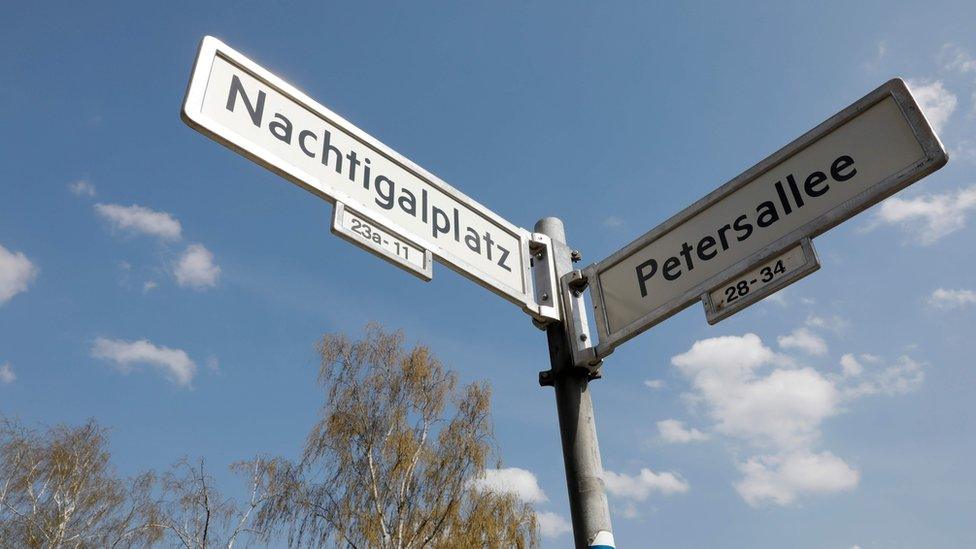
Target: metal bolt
539,256
545,378
545,297
582,337
576,256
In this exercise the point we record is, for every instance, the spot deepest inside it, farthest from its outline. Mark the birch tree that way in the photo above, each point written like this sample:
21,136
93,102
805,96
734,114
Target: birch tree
58,489
195,515
389,463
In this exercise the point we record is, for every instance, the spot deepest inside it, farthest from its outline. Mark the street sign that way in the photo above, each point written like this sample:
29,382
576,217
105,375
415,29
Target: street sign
384,243
744,241
241,105
867,152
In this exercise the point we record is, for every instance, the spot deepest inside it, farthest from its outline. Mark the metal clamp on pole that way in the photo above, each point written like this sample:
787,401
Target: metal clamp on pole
545,283
573,286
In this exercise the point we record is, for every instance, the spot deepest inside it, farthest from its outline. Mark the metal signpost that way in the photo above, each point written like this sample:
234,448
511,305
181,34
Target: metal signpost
744,241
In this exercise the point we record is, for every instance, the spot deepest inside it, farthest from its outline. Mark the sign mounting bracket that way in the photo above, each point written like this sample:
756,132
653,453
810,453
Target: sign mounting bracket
545,285
573,287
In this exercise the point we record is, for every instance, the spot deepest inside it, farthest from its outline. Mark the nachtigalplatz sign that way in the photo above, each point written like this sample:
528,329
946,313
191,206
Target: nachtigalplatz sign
875,147
244,106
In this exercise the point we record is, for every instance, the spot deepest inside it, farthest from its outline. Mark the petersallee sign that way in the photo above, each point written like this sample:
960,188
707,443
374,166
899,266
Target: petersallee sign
867,152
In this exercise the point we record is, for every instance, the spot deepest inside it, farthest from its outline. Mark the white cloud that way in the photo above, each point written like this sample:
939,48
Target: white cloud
672,430
780,412
613,221
781,479
140,220
640,486
835,323
875,63
904,376
936,102
952,299
762,398
511,480
781,409
964,149
196,268
778,298
552,525
654,383
955,58
82,187
7,375
630,511
16,273
850,366
524,485
815,321
174,364
804,340
723,357
927,218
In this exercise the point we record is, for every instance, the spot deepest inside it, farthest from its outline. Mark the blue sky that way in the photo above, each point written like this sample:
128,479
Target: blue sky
173,290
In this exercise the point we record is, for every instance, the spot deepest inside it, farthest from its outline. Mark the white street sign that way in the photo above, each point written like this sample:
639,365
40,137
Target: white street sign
243,106
870,150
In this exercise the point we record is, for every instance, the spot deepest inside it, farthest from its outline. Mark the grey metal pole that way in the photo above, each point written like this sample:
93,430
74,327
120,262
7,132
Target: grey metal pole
577,425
